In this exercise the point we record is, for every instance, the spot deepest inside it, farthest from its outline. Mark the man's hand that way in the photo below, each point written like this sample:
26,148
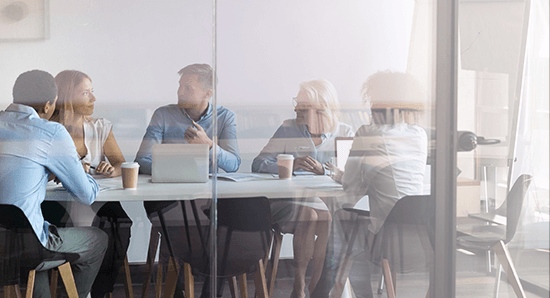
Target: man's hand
104,168
196,135
336,173
308,163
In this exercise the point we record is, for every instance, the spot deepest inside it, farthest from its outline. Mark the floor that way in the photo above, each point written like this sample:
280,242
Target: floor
469,283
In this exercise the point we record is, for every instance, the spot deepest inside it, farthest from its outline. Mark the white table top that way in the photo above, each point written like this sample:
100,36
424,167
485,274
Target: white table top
263,185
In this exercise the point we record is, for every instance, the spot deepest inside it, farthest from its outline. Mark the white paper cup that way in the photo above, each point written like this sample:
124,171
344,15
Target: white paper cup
130,171
285,164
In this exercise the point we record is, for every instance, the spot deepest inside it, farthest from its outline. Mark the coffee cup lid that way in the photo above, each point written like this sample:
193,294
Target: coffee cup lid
285,156
129,165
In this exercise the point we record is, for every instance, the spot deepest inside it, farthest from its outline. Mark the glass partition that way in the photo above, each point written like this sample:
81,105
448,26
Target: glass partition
348,83
500,75
354,147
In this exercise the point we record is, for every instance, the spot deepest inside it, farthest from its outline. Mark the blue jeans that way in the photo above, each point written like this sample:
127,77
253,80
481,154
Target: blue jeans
89,243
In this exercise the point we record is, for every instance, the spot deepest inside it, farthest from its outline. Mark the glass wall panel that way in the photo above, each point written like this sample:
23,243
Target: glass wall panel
131,52
503,100
321,116
347,83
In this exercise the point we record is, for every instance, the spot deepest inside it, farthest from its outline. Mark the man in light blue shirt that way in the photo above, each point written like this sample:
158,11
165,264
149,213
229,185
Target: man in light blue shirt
190,121
33,150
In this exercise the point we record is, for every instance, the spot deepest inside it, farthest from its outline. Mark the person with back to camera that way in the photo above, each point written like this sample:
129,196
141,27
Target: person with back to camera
387,160
310,139
34,149
100,155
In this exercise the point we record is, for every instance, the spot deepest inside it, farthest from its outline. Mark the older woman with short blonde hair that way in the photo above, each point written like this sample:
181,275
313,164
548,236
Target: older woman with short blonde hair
310,139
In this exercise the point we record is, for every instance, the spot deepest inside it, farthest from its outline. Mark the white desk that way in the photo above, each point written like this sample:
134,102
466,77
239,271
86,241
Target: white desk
266,185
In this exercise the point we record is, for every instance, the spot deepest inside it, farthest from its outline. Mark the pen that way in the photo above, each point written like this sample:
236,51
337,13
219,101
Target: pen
82,157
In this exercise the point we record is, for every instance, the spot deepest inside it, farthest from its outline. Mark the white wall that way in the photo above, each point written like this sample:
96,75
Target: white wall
132,49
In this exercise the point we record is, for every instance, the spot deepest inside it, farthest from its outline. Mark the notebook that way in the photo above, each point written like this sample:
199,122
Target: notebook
342,147
179,163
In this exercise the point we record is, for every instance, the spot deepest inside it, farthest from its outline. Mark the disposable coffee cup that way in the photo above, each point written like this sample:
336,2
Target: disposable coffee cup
285,164
130,171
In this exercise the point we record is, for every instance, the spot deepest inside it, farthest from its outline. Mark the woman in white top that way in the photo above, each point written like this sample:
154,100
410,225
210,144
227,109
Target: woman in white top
310,138
100,155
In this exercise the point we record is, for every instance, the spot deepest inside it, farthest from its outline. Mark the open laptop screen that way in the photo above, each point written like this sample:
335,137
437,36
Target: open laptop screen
342,148
179,163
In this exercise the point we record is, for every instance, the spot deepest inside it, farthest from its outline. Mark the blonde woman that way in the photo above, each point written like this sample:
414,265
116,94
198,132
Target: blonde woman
310,138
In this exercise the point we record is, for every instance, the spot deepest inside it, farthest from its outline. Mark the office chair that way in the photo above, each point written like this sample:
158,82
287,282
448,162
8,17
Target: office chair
152,209
410,216
244,237
21,251
495,237
159,208
114,221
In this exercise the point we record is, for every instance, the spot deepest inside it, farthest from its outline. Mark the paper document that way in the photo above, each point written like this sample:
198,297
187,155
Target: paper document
239,177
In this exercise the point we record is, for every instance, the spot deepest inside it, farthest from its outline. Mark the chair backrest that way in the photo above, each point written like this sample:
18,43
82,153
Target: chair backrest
16,232
514,204
10,254
245,214
243,236
24,244
406,237
414,210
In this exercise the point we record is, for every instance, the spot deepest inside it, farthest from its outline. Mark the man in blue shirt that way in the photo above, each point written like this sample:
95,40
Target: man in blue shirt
191,121
34,150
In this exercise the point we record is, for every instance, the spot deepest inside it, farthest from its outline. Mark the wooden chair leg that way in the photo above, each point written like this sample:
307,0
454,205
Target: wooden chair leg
388,278
171,278
260,282
68,279
232,281
243,287
158,283
503,255
12,291
189,281
128,289
54,282
150,262
30,284
275,254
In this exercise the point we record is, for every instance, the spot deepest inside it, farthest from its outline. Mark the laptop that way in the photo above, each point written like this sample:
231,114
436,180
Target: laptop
342,147
179,163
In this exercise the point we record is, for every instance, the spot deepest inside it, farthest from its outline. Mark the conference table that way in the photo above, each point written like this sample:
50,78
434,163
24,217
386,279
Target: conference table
255,185
252,185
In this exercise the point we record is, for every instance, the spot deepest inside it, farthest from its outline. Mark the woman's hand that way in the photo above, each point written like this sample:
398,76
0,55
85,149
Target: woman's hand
54,178
308,163
86,167
336,172
104,168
